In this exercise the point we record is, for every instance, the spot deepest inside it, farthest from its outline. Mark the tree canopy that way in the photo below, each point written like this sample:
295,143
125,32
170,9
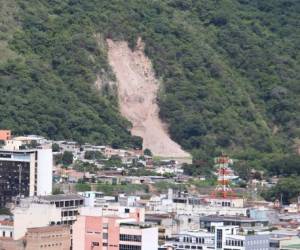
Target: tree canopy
229,70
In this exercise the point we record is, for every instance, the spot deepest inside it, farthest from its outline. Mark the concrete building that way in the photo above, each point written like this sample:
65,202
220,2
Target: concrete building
113,233
128,200
44,211
228,237
167,225
92,198
34,215
56,237
25,173
186,204
6,229
16,143
193,240
69,205
210,222
224,238
223,202
115,210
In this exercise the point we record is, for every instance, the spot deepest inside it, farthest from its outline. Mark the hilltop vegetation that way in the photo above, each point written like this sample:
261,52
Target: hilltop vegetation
229,71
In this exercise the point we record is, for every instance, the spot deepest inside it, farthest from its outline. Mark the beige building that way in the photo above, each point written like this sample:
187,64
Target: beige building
51,237
34,215
57,237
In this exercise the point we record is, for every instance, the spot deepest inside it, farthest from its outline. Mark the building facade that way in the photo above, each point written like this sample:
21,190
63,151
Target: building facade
113,233
25,173
56,237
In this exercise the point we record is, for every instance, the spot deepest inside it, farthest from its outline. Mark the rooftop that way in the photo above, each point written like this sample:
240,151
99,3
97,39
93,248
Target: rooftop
47,229
60,197
218,218
136,225
6,223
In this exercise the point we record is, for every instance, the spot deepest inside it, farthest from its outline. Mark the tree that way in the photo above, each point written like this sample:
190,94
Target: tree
67,158
287,188
55,147
137,142
93,155
82,187
147,152
115,161
57,191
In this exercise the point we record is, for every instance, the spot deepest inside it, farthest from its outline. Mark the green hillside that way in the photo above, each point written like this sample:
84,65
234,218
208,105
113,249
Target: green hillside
230,70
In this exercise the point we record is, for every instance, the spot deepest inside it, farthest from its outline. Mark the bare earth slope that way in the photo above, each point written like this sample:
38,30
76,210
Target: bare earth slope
137,91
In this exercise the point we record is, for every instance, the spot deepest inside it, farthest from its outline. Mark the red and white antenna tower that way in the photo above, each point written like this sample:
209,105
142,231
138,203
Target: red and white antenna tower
225,175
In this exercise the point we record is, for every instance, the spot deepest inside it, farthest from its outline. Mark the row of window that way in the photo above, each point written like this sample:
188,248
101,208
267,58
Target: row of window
128,237
97,244
238,243
50,245
70,203
4,234
187,247
69,213
129,247
199,240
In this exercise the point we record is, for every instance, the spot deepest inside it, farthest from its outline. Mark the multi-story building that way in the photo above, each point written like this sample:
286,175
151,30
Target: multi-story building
211,221
6,229
193,240
167,225
69,204
92,198
25,173
113,233
115,210
230,238
56,237
44,211
29,215
223,238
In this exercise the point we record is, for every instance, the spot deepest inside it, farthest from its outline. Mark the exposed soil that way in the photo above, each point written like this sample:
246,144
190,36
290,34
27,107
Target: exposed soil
137,91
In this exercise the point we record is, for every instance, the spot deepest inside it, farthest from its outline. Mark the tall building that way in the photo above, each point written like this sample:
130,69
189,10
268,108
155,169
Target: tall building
25,173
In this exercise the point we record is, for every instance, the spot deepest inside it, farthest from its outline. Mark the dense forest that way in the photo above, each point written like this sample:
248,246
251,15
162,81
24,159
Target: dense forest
229,71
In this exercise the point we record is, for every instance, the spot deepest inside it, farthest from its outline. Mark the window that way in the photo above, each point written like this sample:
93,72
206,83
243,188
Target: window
105,236
219,238
127,237
3,233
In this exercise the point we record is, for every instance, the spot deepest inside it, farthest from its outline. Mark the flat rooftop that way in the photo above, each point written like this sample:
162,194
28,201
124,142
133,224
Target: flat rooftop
60,197
218,218
136,225
47,229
